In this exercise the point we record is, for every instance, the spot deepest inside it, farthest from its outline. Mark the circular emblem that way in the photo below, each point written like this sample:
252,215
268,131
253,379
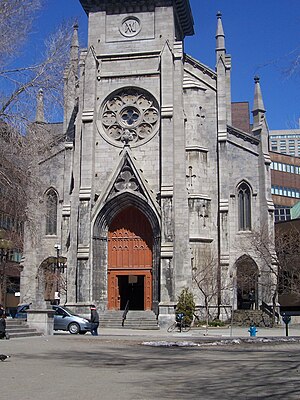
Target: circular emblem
130,26
129,115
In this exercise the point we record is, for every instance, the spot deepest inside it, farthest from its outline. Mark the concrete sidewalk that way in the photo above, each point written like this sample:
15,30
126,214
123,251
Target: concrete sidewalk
114,366
198,333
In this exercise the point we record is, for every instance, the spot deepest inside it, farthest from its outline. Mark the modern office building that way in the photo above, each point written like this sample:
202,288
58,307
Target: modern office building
285,179
285,141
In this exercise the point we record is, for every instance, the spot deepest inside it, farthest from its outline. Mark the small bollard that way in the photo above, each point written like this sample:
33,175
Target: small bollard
252,330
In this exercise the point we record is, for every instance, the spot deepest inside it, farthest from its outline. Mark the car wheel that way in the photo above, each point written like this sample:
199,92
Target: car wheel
73,328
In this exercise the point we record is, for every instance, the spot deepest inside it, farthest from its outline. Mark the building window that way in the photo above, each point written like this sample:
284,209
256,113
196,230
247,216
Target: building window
244,198
282,213
51,213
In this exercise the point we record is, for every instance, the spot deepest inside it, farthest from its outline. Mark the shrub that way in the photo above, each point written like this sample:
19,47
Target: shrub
186,305
213,323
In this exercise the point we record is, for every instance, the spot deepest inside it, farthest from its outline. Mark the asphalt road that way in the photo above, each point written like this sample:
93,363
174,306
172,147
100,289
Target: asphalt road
111,368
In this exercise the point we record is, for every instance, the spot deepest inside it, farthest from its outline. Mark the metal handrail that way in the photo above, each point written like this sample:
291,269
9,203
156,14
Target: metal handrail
268,309
125,312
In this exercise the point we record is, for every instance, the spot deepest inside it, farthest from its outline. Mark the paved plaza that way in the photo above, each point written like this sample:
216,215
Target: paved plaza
118,365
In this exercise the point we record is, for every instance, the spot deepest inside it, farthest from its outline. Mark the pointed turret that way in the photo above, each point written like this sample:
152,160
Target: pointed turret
40,107
258,105
220,36
71,78
74,51
223,67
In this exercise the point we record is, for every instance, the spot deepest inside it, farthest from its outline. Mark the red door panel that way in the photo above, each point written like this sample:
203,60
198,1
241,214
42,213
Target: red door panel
130,245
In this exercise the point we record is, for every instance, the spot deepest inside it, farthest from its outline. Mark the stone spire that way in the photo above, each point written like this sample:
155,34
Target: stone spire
74,50
258,100
258,110
40,107
220,36
223,68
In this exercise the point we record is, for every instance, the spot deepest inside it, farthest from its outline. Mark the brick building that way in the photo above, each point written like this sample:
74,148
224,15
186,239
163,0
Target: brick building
285,178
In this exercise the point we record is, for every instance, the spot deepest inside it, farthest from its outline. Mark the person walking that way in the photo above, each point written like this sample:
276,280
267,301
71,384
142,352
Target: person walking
2,323
94,321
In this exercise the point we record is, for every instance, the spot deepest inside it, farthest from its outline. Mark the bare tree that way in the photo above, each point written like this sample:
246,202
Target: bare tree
52,280
287,241
260,245
12,217
279,257
20,84
293,67
16,18
205,276
21,141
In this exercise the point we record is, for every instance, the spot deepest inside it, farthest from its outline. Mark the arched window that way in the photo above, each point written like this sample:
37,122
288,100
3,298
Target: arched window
244,198
51,212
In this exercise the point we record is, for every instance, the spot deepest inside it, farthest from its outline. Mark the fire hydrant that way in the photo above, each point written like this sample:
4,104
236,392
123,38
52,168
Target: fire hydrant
252,330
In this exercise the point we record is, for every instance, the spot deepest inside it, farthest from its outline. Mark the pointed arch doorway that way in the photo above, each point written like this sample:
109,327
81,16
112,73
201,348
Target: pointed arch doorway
247,283
130,245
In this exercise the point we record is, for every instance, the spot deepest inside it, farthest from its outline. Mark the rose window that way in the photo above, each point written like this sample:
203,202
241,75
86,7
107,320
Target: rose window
129,116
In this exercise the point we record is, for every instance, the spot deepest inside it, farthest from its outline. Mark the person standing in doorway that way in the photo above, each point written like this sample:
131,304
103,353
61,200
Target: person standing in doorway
252,299
94,321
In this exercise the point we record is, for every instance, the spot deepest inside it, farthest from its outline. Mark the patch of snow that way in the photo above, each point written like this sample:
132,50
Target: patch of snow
223,342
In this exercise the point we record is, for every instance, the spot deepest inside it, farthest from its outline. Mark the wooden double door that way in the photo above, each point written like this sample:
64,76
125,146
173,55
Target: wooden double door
130,244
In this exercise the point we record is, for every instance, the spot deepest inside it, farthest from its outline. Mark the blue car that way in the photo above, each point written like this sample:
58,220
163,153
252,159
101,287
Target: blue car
64,319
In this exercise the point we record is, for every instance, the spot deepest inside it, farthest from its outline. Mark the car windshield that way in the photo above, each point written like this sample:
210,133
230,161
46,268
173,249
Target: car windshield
67,310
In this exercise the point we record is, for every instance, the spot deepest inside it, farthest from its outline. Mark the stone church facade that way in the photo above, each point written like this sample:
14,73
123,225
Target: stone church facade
150,184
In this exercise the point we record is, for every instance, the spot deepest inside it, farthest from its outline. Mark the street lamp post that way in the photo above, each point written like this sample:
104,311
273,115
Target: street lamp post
3,258
234,289
59,266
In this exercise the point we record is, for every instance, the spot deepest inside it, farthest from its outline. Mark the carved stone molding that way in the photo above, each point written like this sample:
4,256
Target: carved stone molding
126,181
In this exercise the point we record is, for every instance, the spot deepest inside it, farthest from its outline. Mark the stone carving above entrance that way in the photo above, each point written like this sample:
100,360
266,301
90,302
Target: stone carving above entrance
126,181
130,116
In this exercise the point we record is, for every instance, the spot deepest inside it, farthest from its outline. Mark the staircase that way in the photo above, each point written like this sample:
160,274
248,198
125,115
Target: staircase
246,317
144,320
17,329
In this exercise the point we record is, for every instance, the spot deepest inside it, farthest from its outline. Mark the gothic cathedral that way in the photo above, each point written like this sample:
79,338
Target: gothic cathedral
151,188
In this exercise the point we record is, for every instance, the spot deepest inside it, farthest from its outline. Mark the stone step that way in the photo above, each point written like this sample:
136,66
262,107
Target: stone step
144,320
18,328
24,334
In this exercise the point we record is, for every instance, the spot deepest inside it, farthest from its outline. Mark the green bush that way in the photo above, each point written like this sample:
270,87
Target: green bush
186,305
214,323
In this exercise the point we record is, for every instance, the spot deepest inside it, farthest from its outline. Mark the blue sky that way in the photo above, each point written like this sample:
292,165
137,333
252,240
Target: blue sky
262,37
